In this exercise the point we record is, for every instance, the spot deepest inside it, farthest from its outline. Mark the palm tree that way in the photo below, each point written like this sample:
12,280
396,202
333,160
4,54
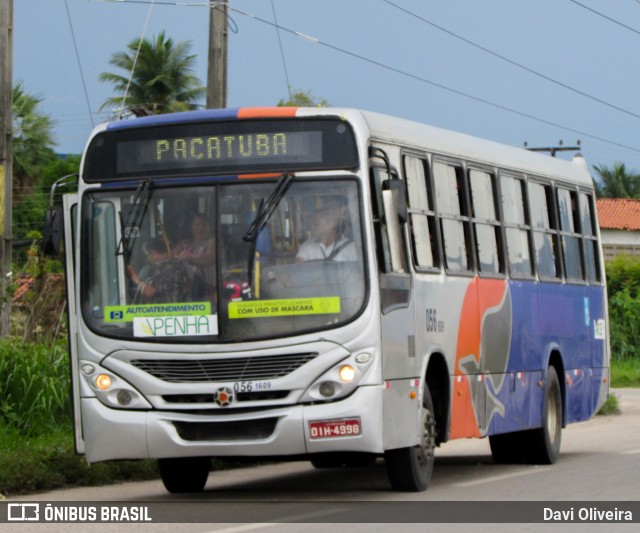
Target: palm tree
32,140
617,182
162,80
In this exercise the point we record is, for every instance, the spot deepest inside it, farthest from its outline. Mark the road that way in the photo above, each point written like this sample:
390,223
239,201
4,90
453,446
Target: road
599,461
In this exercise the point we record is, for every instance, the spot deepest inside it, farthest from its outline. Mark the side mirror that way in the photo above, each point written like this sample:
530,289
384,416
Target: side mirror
52,234
400,195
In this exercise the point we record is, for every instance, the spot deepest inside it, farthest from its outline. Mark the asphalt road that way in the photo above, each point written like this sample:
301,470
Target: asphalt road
599,462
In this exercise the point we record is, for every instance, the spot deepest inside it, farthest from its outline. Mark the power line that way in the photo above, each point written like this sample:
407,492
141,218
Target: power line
430,82
284,62
606,17
135,59
75,46
511,61
397,70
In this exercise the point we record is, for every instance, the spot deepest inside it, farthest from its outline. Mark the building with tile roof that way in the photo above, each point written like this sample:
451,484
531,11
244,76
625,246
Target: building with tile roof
619,220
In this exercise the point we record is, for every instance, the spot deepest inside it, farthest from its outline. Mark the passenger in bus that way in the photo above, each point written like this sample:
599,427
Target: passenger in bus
199,255
328,242
164,280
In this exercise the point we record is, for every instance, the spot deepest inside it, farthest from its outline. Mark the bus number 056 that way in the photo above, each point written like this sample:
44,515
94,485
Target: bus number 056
250,386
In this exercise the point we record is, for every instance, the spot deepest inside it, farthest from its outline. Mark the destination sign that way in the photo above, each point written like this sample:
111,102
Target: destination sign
214,148
194,152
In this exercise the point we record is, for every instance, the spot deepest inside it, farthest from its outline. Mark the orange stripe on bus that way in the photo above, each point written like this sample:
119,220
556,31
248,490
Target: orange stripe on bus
258,176
267,112
481,295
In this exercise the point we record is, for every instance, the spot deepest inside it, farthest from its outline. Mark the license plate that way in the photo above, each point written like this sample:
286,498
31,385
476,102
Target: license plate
329,429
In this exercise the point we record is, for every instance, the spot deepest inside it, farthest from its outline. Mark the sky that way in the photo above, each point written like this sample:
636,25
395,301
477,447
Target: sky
512,71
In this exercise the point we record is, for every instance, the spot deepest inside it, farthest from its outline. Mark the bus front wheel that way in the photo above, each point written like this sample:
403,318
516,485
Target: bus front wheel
184,474
410,469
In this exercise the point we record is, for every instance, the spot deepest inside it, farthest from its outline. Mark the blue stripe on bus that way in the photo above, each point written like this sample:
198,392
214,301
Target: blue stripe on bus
174,118
550,315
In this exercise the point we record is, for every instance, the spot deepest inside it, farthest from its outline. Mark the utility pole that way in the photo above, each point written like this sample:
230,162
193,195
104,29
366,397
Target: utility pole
554,149
217,68
6,156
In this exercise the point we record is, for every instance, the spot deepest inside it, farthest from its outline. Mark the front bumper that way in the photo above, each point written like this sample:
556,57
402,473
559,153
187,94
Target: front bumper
281,431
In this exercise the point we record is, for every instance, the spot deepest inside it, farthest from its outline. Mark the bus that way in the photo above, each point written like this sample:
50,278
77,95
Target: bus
361,287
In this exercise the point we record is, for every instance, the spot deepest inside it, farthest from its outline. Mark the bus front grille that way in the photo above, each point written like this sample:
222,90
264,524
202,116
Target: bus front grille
223,370
226,431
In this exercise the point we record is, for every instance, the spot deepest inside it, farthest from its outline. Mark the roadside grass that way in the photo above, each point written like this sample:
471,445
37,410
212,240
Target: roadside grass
48,461
625,373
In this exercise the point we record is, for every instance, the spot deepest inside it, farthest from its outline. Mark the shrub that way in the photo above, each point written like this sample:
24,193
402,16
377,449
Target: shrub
623,285
623,273
34,386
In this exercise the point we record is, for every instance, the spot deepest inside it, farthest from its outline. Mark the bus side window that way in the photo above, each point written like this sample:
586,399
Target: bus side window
544,234
517,228
422,218
590,239
570,234
454,219
485,222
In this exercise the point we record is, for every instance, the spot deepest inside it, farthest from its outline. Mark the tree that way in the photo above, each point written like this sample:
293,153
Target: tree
303,99
32,139
32,152
617,182
162,80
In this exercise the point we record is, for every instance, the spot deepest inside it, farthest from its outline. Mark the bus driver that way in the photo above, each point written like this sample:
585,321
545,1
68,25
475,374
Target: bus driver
327,242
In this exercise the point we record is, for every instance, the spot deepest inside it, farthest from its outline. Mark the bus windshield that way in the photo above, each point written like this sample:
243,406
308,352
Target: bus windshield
243,260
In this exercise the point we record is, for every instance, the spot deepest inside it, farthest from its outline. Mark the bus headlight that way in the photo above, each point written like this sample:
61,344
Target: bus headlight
112,390
340,380
347,373
103,382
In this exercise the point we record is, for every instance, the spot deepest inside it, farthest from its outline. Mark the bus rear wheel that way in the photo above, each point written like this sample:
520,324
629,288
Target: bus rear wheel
536,446
410,469
184,474
545,442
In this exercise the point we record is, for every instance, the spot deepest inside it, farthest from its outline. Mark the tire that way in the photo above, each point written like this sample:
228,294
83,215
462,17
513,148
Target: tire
544,446
410,469
185,474
343,460
535,446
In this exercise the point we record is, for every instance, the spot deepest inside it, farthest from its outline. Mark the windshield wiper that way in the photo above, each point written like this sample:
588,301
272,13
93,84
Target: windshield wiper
129,228
266,209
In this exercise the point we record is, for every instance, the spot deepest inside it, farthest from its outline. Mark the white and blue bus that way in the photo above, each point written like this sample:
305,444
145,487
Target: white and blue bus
457,290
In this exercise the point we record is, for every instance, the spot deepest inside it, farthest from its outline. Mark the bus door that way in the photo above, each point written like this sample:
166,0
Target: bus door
70,218
389,212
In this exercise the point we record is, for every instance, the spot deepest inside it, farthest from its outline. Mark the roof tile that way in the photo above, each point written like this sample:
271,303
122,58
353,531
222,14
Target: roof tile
618,213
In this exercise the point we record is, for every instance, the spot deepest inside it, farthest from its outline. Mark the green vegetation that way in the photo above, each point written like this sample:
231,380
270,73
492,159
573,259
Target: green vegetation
47,461
611,406
162,81
36,436
623,285
617,182
625,373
